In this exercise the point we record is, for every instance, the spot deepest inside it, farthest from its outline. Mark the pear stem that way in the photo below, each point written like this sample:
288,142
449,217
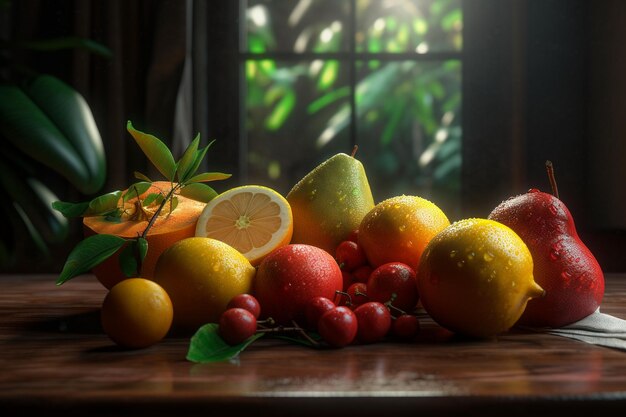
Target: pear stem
550,170
356,148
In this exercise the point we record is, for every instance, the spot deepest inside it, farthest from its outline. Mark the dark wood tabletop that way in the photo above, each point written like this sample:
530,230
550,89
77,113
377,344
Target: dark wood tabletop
55,360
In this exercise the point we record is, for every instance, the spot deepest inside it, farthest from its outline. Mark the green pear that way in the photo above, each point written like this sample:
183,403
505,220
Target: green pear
329,202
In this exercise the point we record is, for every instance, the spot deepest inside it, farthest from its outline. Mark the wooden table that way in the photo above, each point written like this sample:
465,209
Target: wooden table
55,360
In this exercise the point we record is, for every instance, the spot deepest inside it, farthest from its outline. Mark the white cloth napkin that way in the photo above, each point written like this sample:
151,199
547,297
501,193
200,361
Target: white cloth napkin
597,328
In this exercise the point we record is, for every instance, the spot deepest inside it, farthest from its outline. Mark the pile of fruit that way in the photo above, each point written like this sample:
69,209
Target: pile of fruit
325,263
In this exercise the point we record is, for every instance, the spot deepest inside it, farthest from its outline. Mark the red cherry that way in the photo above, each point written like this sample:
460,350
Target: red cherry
374,321
358,294
394,278
405,326
338,326
236,325
316,308
350,255
247,302
353,236
362,273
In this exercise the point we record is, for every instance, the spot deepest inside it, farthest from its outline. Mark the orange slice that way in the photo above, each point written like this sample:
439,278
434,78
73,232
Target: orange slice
253,219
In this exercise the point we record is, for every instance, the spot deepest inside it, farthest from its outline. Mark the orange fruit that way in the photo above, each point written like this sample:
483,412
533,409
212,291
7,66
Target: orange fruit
169,227
399,228
290,277
201,275
253,219
476,277
136,313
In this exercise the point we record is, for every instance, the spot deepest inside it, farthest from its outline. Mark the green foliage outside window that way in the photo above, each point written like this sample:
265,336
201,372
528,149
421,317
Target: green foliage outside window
408,105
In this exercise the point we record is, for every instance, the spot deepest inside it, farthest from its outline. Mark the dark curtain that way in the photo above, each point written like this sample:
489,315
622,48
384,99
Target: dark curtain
140,82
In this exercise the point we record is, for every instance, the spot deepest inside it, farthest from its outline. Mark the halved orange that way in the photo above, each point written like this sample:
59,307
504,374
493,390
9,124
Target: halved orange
253,219
167,229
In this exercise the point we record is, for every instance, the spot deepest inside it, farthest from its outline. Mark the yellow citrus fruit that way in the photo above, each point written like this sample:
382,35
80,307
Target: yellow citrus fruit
399,228
168,228
253,219
201,275
475,278
136,313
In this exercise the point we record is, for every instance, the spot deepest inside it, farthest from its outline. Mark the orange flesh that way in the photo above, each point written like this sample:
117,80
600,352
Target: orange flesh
166,230
246,221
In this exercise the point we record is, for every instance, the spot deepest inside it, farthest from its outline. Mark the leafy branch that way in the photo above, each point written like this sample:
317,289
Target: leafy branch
120,206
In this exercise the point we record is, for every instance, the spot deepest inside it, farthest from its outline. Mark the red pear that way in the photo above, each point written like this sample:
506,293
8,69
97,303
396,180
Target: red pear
563,266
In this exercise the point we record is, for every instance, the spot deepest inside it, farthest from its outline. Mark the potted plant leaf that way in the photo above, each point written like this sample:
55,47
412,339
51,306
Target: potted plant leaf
45,126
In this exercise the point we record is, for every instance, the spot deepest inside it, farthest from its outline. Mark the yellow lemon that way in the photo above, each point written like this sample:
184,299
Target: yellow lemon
136,313
201,275
475,278
253,219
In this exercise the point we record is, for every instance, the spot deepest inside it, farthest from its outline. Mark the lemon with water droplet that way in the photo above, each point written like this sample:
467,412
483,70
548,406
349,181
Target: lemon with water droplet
201,275
486,292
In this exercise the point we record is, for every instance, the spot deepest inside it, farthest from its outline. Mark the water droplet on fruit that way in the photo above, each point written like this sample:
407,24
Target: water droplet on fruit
460,263
566,275
453,253
552,208
493,274
555,254
402,228
513,284
534,190
488,256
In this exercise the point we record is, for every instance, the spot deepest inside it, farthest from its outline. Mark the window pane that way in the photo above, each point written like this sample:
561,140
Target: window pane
420,26
409,132
297,26
289,105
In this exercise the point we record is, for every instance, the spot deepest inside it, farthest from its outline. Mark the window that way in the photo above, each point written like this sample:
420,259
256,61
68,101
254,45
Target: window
322,76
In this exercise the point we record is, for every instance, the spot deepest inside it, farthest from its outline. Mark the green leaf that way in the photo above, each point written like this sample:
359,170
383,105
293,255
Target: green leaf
28,128
70,209
69,112
199,192
173,203
88,253
187,160
207,346
130,256
128,261
199,156
103,204
99,206
156,151
208,176
150,198
141,176
136,190
68,42
34,234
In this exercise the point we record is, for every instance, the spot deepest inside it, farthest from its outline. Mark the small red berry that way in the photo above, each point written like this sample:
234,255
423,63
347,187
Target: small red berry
338,326
247,302
236,325
316,308
350,255
353,236
358,294
405,326
394,278
374,322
